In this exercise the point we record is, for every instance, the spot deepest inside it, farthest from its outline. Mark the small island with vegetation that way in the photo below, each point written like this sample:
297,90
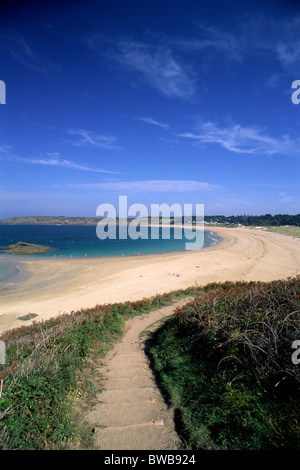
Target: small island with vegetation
24,248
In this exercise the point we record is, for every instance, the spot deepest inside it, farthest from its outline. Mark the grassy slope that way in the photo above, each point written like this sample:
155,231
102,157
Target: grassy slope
45,369
219,361
224,362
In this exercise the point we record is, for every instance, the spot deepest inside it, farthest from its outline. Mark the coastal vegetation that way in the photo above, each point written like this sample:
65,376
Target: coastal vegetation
231,376
290,230
43,377
223,361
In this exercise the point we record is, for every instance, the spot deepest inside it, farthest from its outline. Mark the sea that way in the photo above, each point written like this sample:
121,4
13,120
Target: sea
81,241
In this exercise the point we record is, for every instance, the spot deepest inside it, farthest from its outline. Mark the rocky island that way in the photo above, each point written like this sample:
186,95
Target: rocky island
24,248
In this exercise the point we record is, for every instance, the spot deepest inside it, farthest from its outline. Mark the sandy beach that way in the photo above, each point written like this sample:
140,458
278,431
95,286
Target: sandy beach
55,286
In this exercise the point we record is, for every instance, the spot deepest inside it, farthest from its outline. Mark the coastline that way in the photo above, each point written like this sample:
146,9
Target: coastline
55,286
21,269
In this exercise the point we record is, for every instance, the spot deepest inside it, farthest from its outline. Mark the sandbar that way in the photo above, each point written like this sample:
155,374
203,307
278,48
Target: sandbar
55,286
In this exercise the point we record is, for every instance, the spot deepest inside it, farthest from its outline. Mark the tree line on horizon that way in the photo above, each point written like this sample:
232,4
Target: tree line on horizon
266,220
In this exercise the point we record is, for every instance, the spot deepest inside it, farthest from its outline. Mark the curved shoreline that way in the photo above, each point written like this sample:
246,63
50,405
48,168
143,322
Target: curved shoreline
22,262
13,258
56,286
29,266
19,275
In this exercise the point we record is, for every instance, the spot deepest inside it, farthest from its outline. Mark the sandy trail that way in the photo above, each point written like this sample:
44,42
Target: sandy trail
131,413
56,286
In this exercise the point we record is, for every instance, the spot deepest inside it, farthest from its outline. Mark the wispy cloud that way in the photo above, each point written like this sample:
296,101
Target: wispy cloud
50,159
170,142
284,198
149,120
257,35
55,160
213,42
278,38
241,140
5,149
21,51
151,186
164,63
155,65
159,68
87,137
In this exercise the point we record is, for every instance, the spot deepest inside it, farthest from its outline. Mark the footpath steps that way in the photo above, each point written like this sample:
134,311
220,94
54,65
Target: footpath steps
131,413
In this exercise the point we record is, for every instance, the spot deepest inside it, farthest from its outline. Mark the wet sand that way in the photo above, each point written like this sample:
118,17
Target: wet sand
50,287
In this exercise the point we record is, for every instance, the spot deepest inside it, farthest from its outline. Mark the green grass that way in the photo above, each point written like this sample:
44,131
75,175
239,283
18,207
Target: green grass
290,230
45,363
40,380
219,359
224,363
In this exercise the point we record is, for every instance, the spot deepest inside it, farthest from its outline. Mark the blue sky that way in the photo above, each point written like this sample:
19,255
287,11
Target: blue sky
163,101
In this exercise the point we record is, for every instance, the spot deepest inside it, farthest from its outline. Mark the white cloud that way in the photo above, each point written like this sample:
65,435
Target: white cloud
149,120
19,48
55,160
214,42
151,186
283,41
87,137
51,159
238,139
169,142
157,67
285,198
5,149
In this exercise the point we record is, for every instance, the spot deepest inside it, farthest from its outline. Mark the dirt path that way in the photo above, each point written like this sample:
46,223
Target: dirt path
131,413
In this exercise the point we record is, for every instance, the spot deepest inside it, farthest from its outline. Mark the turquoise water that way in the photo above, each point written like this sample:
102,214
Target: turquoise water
7,270
82,241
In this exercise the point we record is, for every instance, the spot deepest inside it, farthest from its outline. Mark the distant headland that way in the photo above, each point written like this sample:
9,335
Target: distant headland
246,220
49,220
